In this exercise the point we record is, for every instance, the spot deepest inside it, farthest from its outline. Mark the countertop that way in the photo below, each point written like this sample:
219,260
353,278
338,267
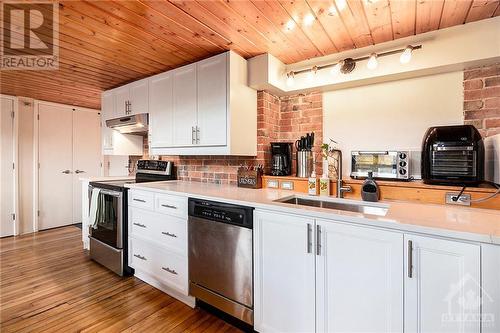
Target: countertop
105,178
471,224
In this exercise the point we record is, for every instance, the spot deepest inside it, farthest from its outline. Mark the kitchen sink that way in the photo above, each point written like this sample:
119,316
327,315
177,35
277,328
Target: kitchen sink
351,206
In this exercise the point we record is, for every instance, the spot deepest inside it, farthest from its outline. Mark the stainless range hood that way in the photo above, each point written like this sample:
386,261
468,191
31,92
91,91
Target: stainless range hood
137,123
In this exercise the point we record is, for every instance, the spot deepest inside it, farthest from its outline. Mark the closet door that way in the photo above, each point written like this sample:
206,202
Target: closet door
86,153
55,179
7,208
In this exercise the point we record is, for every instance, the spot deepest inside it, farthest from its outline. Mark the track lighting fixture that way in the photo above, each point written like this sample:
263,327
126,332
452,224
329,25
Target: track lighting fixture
347,65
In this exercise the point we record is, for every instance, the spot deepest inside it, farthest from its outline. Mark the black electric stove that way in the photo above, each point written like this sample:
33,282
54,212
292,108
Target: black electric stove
108,227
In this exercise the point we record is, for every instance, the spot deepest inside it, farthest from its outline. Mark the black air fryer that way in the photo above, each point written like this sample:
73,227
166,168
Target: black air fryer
453,155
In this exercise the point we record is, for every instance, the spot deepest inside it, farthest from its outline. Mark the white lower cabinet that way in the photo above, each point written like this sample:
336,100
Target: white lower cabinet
283,273
313,275
158,241
359,279
442,286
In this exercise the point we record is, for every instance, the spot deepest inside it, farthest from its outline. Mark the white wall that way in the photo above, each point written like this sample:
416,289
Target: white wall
391,115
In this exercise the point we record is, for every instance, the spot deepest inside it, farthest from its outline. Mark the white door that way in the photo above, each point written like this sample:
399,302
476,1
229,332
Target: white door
442,286
107,106
160,110
212,100
283,273
122,100
139,97
55,179
184,105
7,208
359,279
86,153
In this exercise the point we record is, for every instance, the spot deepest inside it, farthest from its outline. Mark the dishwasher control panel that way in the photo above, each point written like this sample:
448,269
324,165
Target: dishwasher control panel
221,212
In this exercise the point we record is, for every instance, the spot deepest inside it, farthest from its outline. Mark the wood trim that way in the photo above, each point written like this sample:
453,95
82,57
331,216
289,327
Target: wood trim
414,191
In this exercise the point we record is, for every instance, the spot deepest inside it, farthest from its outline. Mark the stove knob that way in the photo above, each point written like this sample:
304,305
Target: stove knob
402,172
402,164
402,156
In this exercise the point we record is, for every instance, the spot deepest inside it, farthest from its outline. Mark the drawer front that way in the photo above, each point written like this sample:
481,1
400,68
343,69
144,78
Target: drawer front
168,231
171,205
141,199
168,267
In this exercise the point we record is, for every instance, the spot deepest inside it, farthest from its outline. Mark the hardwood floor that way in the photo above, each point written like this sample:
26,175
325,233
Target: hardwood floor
48,284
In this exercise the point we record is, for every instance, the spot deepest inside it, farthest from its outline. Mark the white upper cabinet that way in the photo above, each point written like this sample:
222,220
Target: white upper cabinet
107,105
442,286
214,112
161,110
212,100
122,100
359,279
283,273
139,99
184,106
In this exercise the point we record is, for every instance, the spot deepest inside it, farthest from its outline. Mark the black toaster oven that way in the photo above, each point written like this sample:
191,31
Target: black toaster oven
453,155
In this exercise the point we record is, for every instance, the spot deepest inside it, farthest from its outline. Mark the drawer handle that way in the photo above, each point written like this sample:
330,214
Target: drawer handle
139,200
140,257
171,271
169,206
169,234
140,225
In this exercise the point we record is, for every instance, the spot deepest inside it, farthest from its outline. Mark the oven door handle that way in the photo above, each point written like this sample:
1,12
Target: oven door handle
112,193
373,152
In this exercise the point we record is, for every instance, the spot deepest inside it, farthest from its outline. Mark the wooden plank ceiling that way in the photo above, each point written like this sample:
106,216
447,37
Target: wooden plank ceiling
104,44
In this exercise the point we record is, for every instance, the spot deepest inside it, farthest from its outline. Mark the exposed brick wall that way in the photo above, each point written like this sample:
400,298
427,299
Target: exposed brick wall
301,114
482,99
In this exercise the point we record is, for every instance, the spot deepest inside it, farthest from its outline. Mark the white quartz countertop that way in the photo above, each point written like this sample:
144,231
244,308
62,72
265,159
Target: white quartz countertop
105,178
473,224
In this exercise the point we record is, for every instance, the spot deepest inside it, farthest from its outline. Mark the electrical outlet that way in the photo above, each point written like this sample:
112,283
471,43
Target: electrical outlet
463,200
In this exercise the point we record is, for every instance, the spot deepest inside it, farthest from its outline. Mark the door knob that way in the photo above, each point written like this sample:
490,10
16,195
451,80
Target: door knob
66,171
79,171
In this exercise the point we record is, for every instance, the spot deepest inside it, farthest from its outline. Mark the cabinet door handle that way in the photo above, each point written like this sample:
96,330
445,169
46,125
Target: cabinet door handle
139,200
79,171
193,135
309,243
169,234
410,259
171,271
129,107
169,206
318,240
197,135
140,225
140,257
67,172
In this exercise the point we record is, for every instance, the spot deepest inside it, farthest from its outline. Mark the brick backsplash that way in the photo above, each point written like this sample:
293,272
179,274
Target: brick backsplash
482,98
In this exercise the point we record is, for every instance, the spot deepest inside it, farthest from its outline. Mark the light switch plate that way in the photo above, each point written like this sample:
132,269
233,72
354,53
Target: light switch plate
287,185
272,183
463,200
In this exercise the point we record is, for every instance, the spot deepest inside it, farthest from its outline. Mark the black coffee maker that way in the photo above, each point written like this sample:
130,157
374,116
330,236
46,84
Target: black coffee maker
281,158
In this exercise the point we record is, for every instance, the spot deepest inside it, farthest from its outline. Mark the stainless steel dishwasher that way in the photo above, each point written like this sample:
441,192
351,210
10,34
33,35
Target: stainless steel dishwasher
221,256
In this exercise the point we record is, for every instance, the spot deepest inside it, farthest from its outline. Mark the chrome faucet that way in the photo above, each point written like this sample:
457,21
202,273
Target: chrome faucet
340,188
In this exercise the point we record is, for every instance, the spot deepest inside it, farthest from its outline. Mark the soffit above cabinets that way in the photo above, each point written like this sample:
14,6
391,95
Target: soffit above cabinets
105,44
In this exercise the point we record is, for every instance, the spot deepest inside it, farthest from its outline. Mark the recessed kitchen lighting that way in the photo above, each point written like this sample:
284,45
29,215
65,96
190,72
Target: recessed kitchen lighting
332,10
372,61
406,55
290,24
309,19
341,4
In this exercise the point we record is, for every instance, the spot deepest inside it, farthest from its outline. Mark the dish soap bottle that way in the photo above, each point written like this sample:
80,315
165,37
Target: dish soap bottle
369,190
312,184
324,181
